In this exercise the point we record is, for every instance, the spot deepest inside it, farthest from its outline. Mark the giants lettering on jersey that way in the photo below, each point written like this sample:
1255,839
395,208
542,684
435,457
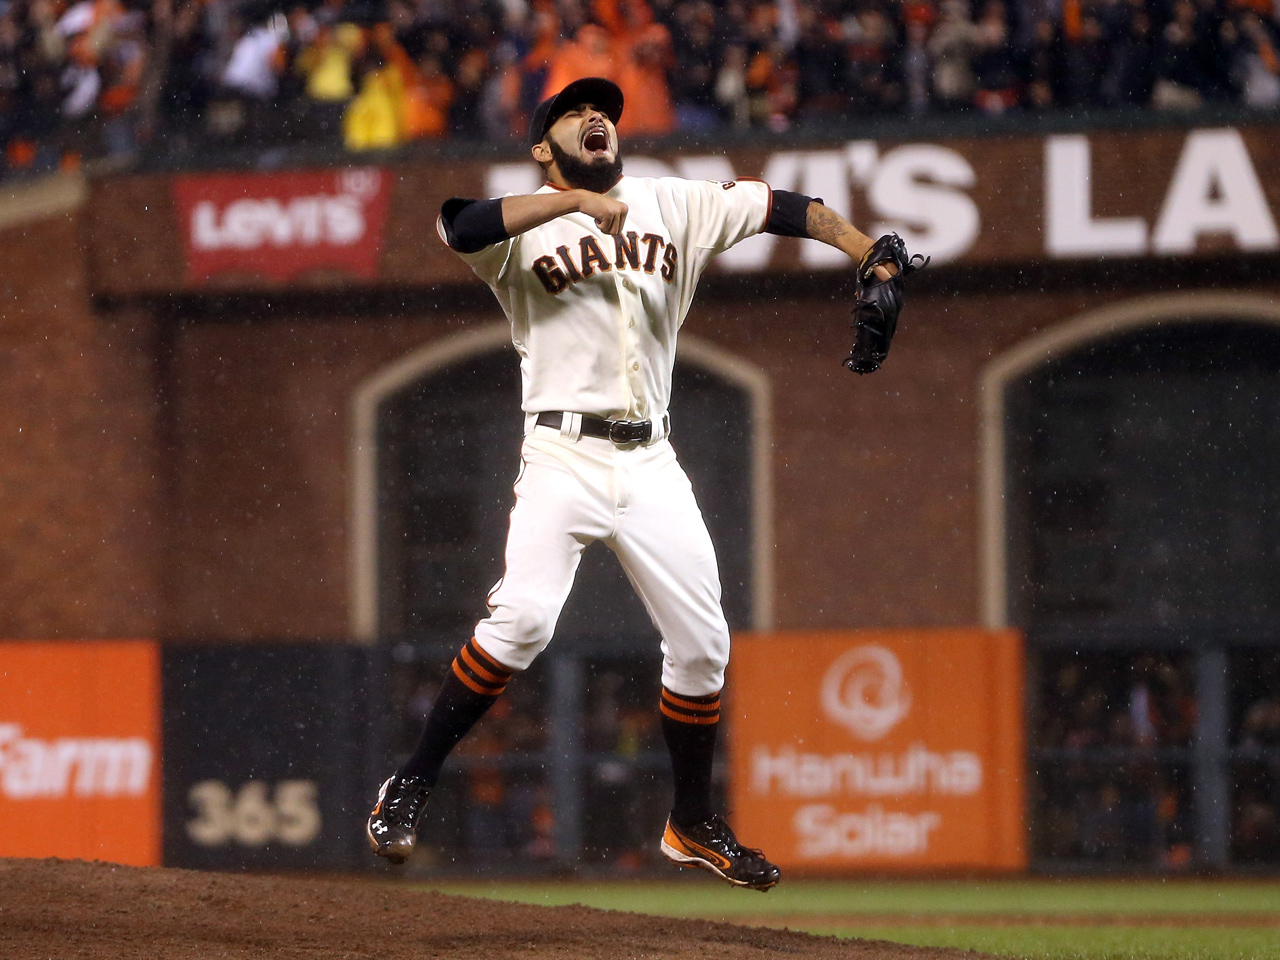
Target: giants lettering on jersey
631,252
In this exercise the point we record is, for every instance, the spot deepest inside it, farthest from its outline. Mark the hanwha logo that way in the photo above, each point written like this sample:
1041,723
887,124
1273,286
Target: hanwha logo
864,691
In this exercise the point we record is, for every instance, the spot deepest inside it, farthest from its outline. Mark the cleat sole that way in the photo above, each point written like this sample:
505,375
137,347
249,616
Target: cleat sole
395,856
682,859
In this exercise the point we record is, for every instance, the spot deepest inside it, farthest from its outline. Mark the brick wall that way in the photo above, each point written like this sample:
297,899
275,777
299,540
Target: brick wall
80,541
875,477
175,464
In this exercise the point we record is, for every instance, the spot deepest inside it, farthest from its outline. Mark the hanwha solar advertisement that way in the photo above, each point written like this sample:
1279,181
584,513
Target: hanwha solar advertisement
80,751
879,749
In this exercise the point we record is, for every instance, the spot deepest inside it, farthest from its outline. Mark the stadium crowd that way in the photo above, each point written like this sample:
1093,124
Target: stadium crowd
1112,736
88,77
1108,789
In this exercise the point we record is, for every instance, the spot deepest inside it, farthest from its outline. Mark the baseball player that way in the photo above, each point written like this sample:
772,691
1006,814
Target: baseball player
596,272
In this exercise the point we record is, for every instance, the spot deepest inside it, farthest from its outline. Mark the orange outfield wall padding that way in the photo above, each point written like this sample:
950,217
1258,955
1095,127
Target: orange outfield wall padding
80,750
879,749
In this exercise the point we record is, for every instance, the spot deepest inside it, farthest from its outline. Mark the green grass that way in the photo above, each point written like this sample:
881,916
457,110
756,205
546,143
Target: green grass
1086,943
699,897
837,907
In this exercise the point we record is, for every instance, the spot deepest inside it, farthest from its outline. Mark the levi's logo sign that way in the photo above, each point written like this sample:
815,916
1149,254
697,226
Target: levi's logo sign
281,226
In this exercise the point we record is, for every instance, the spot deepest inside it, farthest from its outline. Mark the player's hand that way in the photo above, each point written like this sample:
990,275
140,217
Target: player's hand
882,271
610,214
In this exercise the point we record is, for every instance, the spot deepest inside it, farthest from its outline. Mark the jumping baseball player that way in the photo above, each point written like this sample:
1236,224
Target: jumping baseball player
596,272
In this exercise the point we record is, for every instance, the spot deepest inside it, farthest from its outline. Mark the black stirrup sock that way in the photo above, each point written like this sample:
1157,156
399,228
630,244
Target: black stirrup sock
689,726
472,685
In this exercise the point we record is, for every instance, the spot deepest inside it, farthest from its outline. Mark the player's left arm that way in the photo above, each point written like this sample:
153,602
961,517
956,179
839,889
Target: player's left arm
795,215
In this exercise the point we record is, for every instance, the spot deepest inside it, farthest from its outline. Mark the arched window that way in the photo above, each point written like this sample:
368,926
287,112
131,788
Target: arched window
1132,529
1143,482
448,453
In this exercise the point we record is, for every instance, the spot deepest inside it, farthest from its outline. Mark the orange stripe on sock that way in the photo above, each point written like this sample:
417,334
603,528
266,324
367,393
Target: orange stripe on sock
471,684
675,701
492,665
470,660
685,718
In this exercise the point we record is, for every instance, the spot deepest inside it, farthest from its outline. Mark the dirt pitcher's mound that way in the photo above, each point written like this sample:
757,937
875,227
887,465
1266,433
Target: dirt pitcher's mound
62,910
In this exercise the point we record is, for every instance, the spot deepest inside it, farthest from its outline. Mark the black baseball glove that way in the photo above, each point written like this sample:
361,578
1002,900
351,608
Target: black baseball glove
877,303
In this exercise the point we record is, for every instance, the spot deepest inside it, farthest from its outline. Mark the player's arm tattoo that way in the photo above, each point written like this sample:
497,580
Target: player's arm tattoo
826,225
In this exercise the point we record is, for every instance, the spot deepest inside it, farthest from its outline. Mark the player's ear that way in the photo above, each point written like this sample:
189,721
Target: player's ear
542,153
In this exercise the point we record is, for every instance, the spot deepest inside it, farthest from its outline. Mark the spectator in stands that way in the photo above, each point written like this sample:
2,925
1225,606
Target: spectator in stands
1101,817
1261,726
541,31
1041,66
465,116
952,47
427,97
255,65
642,74
591,53
37,111
1256,67
825,74
1179,82
995,80
1256,830
374,120
873,42
78,76
10,40
913,67
121,67
1088,722
185,88
500,102
326,65
1176,710
1084,61
1130,72
732,92
697,55
771,87
1256,825
1216,37
252,76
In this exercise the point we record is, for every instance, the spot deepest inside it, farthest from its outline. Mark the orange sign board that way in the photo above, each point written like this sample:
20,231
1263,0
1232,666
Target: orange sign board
879,749
80,750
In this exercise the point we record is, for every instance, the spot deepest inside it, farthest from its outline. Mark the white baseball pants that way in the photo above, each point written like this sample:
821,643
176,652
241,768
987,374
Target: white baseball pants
640,503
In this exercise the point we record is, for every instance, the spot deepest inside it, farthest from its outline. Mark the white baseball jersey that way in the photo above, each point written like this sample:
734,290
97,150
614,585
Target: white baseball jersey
594,317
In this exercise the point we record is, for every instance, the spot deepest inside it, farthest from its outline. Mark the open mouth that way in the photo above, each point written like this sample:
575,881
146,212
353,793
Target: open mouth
596,142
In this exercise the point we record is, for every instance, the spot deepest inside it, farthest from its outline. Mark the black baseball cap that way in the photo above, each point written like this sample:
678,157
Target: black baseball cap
603,94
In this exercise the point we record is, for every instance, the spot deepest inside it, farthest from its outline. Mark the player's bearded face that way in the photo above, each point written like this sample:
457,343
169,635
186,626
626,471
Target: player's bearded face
594,163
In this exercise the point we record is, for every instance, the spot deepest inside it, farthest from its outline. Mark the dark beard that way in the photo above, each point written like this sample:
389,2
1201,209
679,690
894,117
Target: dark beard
598,176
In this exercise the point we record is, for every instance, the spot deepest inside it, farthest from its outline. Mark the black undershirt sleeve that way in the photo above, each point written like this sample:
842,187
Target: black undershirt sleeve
789,213
472,225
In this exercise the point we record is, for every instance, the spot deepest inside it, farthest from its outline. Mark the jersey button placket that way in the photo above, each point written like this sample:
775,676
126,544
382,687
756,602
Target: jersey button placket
628,339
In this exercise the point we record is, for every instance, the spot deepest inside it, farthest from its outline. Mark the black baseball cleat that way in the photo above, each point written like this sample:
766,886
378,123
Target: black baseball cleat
393,825
712,846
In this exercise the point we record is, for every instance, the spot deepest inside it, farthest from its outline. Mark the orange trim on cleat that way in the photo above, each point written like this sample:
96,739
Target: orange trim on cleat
732,862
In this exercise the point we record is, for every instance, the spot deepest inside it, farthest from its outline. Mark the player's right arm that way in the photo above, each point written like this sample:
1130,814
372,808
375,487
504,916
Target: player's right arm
533,210
469,226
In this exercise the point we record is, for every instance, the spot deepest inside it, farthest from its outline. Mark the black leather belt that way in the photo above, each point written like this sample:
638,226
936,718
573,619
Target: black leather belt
619,431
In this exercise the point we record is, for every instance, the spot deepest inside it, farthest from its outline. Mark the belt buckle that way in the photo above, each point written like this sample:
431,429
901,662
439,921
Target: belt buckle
626,431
